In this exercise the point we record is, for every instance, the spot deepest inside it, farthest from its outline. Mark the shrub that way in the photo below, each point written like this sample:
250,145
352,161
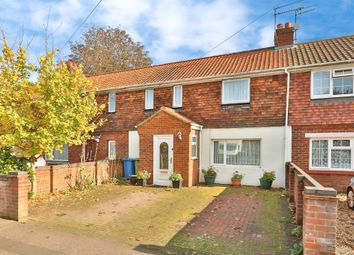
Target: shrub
210,172
118,180
176,177
297,249
237,175
268,176
297,231
144,175
10,162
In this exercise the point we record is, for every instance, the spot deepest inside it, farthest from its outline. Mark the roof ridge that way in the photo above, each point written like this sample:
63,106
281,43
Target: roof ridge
181,61
216,56
326,39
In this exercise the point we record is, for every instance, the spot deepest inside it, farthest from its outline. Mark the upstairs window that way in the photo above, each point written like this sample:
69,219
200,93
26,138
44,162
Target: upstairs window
59,155
149,99
177,96
236,91
336,83
111,101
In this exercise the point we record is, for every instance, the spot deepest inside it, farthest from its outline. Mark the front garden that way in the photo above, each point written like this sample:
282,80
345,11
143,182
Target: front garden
197,220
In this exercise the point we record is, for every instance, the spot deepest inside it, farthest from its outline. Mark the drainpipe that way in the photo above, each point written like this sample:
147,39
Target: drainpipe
286,115
200,153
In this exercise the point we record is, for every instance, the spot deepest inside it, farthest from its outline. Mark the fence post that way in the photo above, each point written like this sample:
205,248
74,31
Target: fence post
291,184
299,201
320,219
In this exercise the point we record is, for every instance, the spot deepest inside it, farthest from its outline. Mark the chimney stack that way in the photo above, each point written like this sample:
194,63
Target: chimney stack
284,36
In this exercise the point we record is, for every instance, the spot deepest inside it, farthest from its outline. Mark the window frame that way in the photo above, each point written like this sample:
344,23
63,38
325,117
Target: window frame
331,78
224,141
329,156
246,101
174,105
109,149
112,108
147,107
196,147
46,158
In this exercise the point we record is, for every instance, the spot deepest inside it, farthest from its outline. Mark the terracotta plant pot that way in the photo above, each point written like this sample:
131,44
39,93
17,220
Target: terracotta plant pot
235,182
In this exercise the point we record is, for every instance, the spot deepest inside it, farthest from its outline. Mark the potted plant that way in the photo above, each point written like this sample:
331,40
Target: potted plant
141,177
209,175
236,179
176,179
267,179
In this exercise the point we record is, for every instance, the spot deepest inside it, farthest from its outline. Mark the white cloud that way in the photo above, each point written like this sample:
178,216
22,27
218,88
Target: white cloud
170,29
266,37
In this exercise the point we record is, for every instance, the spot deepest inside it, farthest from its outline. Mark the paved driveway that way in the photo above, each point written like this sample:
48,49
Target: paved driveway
131,220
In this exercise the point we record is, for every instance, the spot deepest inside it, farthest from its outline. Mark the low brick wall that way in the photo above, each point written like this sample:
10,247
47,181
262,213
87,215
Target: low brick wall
315,209
14,196
61,177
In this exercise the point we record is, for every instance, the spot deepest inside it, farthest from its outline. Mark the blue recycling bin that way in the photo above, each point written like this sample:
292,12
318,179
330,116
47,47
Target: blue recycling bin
128,167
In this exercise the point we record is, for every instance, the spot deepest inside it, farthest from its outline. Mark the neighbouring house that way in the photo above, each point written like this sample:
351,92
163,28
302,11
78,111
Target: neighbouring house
248,111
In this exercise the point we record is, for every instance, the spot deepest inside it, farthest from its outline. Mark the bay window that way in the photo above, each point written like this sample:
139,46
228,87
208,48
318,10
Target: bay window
237,152
331,154
336,83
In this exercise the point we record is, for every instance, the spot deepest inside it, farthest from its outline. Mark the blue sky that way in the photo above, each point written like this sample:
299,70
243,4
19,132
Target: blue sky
171,30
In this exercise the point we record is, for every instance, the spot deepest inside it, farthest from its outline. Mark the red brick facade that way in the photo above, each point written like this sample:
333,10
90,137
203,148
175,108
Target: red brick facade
165,124
317,116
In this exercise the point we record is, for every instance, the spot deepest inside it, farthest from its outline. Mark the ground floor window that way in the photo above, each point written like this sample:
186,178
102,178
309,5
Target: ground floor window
111,150
194,147
331,153
237,152
58,155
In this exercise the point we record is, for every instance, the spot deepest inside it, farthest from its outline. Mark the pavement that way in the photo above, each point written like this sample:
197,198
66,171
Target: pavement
26,239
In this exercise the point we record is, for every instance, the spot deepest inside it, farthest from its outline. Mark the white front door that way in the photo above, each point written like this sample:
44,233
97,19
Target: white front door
163,159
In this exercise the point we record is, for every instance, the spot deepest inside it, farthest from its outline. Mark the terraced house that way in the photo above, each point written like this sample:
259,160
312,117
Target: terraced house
248,111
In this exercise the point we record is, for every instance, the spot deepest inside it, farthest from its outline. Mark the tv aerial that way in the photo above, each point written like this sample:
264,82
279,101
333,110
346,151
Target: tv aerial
296,11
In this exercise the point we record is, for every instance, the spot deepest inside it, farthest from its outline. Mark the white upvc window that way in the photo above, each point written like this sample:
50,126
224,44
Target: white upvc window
111,149
237,152
194,147
332,83
177,96
236,91
331,154
59,155
111,101
149,99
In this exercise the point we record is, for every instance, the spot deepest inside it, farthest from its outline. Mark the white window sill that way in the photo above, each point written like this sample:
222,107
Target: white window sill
331,169
331,96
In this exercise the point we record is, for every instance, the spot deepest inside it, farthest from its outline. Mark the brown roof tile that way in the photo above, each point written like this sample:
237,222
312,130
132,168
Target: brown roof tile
309,53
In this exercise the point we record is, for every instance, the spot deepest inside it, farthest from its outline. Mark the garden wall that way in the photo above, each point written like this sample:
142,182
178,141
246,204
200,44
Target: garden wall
14,196
315,209
61,177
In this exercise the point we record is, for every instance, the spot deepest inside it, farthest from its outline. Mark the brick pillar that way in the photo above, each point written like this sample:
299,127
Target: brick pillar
299,188
14,188
291,184
319,229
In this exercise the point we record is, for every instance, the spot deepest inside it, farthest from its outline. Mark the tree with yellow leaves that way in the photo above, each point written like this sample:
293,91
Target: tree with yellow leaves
40,114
